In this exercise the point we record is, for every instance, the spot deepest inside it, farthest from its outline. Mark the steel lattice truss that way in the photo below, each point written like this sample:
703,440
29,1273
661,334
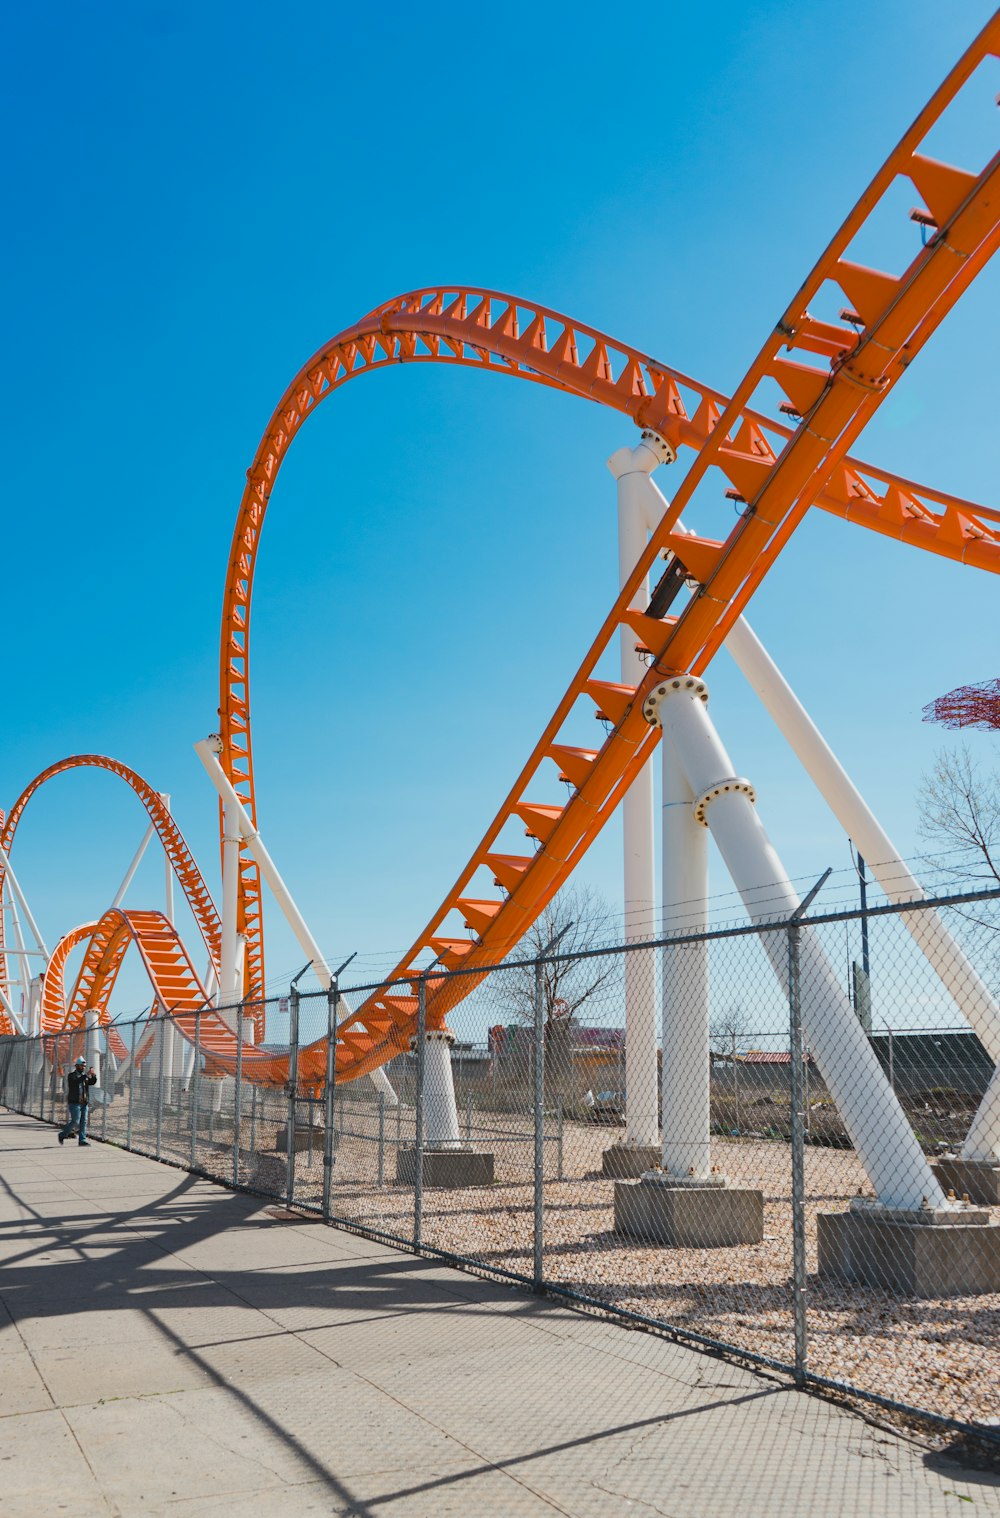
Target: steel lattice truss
834,375
968,706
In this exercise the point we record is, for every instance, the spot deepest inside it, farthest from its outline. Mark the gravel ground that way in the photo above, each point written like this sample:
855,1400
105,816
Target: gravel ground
942,1356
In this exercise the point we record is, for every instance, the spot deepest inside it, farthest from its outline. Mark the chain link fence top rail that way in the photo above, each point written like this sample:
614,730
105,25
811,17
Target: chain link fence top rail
536,1179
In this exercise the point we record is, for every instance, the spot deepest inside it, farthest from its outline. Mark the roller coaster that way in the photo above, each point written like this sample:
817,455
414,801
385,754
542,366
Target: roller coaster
836,354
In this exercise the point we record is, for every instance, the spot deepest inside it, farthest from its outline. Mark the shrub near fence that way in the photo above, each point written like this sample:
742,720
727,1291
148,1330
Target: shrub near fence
549,1218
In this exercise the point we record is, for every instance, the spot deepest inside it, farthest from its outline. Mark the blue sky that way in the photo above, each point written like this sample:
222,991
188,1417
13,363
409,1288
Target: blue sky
199,196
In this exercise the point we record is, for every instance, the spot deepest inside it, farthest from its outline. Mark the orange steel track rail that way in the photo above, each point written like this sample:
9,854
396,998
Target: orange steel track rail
177,987
834,373
175,848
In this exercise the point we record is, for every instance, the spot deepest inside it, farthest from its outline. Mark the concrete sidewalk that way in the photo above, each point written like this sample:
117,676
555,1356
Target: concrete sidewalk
167,1348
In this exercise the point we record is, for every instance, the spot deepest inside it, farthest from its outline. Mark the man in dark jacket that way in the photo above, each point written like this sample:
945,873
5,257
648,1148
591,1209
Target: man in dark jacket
78,1084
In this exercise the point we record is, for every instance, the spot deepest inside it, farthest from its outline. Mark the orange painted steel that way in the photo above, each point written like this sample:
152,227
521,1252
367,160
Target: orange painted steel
177,988
836,376
181,859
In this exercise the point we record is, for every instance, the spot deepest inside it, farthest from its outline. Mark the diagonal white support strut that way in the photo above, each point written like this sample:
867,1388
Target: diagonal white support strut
942,951
207,750
877,1125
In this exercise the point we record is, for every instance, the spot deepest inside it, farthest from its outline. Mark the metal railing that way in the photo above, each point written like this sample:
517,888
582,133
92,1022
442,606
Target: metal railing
778,1251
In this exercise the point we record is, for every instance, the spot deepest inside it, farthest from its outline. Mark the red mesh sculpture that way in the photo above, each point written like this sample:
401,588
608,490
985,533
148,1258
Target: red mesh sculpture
968,706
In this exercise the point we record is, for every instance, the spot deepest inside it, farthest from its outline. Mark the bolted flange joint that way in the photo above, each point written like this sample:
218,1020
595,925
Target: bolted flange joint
435,1036
689,685
720,788
665,452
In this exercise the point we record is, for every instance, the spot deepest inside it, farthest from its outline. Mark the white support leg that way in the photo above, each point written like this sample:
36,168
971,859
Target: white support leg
92,1051
878,1127
631,468
228,991
942,951
29,919
440,1107
21,953
208,750
686,1077
130,872
168,907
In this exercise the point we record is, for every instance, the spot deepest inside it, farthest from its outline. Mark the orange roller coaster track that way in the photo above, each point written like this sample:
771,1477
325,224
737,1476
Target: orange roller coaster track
834,374
179,855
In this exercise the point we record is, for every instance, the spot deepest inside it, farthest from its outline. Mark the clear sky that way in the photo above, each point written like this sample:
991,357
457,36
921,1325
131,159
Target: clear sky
199,196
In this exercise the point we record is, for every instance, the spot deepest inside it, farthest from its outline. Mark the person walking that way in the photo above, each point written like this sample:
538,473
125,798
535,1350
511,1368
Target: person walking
78,1084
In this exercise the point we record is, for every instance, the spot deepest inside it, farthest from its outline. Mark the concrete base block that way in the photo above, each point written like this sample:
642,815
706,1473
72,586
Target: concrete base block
626,1162
688,1216
451,1169
979,1180
939,1257
302,1139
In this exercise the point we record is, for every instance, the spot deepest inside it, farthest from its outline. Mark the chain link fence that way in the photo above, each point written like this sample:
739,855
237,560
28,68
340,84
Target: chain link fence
779,1141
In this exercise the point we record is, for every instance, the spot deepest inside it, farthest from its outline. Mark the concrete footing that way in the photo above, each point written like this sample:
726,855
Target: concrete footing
304,1139
450,1169
979,1180
929,1253
626,1162
688,1215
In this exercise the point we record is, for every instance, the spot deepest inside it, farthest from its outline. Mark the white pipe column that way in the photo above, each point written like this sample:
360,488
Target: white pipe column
942,951
228,950
130,872
29,919
208,750
440,1107
686,1076
24,974
878,1127
168,910
92,1049
631,468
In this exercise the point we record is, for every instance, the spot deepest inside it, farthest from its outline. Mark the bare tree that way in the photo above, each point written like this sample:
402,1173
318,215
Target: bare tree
729,1029
960,812
570,978
960,815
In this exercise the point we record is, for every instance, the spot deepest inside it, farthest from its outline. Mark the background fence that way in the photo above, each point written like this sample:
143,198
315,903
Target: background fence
540,1084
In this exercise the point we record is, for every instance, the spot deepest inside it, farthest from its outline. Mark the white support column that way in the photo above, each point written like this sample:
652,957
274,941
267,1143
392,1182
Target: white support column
29,919
168,909
130,872
686,1077
229,991
940,948
208,750
92,1050
631,468
878,1127
21,953
440,1107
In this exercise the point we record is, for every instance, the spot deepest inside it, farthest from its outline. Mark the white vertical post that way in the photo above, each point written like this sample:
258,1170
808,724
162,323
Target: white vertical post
168,909
686,1076
236,821
440,1107
24,974
631,468
16,888
878,1127
92,1051
227,992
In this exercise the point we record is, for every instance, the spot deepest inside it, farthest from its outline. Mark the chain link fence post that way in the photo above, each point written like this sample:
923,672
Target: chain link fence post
797,1152
380,1180
238,1096
538,1074
196,1089
418,1145
293,1087
161,1042
329,1105
131,1083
